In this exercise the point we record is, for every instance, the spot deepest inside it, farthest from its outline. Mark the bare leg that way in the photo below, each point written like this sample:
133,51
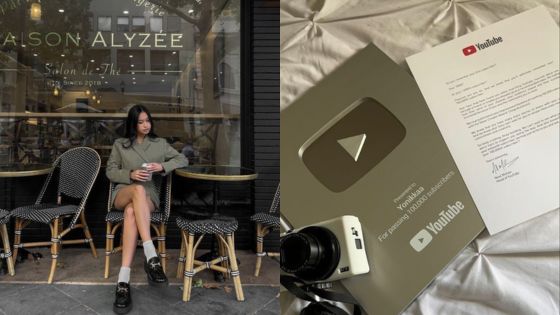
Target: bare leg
141,204
129,237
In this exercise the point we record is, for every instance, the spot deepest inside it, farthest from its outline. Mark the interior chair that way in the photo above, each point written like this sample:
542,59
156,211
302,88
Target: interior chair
7,254
226,262
115,219
74,173
265,223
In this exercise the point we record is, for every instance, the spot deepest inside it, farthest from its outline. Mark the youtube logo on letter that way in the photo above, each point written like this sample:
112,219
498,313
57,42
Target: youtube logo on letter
469,50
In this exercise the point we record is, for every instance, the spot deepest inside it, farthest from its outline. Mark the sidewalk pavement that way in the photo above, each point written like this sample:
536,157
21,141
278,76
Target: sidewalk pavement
79,287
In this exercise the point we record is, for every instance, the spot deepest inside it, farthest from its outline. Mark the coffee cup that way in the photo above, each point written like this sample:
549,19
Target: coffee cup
145,168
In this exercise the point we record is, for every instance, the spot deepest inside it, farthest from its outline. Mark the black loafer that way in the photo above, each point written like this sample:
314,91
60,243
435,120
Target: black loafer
123,301
154,271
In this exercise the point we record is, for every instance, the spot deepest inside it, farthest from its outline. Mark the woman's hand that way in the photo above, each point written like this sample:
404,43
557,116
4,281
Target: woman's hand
155,167
140,175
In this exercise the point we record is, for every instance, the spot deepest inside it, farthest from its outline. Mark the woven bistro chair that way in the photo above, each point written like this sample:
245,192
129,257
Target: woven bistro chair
4,219
223,228
77,170
115,219
265,223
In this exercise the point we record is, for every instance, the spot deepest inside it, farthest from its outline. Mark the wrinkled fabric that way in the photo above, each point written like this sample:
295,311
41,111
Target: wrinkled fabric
513,272
316,36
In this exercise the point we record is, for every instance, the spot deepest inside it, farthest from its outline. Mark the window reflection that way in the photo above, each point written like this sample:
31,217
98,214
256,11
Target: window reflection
156,24
122,24
129,61
69,81
138,24
173,24
104,23
164,61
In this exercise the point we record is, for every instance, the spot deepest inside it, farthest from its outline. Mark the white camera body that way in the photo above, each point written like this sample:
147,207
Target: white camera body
352,258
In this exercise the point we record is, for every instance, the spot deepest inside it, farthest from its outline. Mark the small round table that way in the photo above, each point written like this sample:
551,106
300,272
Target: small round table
12,171
24,170
19,170
215,174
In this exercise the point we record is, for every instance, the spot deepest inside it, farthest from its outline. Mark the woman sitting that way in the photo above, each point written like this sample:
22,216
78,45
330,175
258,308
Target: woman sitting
132,161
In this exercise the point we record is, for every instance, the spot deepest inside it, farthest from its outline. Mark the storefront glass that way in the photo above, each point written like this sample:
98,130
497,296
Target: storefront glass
70,70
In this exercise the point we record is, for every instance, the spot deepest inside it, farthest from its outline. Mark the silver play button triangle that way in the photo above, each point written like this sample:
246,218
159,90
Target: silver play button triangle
353,145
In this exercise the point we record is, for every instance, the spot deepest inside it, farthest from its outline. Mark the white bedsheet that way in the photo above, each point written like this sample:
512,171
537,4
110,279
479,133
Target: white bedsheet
513,272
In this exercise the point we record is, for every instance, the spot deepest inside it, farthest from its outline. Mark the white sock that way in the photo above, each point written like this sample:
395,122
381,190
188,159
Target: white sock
124,275
149,250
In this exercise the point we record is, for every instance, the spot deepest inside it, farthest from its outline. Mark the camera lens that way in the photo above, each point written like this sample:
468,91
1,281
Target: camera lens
298,250
311,254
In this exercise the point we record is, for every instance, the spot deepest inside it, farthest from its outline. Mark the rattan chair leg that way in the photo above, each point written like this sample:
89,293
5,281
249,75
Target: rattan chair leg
220,247
260,252
87,233
17,237
112,243
189,273
54,248
222,253
161,246
181,260
234,268
227,264
7,249
108,249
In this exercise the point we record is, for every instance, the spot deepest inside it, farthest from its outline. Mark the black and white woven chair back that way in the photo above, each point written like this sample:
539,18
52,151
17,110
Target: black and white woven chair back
78,170
111,190
165,195
162,185
275,206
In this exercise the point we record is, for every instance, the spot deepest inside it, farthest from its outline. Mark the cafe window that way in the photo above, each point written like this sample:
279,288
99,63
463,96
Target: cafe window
74,85
192,78
138,24
104,23
129,61
173,24
225,76
97,60
122,24
156,24
164,61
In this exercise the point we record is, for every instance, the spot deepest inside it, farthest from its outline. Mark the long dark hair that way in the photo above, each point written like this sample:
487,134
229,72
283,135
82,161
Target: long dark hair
132,122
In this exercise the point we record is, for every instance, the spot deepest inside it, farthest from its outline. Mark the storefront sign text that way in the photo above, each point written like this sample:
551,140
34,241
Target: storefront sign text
108,69
101,39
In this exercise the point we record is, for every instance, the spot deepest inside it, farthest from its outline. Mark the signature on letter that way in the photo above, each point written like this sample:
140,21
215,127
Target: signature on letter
502,164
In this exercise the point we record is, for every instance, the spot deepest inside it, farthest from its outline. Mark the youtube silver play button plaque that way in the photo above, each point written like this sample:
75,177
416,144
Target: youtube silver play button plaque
351,144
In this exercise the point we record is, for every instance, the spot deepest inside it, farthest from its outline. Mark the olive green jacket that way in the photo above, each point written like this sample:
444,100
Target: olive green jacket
122,161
